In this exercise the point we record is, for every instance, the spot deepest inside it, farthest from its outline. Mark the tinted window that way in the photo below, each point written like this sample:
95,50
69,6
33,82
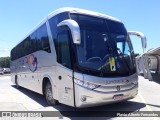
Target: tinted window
117,28
27,44
42,39
63,49
32,43
13,54
38,40
53,25
98,51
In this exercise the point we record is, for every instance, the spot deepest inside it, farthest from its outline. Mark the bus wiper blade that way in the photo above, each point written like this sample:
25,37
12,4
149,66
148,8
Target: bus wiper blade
103,67
124,59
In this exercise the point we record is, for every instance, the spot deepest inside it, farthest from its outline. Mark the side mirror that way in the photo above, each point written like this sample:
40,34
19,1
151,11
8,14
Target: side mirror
142,36
74,27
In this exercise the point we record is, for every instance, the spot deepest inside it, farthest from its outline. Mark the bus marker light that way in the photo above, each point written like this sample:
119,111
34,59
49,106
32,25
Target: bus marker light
83,98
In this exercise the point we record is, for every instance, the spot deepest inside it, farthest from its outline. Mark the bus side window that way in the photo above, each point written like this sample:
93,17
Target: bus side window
42,39
53,26
63,55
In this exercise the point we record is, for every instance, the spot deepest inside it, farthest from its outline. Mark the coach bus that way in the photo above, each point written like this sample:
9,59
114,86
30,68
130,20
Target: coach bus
79,58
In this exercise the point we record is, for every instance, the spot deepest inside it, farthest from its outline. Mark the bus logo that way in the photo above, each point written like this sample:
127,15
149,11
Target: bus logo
32,62
118,88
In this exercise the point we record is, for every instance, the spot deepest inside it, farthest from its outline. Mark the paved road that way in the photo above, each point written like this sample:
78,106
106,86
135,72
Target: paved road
12,99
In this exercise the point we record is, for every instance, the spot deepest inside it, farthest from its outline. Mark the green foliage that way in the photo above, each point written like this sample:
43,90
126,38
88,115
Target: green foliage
5,62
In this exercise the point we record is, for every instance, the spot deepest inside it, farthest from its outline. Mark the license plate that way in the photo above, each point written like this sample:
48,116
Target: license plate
118,97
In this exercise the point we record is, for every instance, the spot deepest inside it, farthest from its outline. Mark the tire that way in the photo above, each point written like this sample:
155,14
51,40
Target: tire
49,95
17,86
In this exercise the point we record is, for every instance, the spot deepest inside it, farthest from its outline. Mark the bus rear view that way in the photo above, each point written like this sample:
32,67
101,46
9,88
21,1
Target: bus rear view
91,60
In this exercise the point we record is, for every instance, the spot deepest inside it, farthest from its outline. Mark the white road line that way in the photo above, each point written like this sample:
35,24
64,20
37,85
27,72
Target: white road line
147,106
144,101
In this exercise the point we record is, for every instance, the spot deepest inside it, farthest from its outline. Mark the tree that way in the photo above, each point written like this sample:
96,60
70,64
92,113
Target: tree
5,62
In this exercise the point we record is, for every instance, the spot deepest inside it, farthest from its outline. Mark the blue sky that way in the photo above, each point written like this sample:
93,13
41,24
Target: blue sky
19,17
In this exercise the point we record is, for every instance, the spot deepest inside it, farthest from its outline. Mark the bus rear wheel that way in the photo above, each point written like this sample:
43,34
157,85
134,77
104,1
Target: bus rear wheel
16,82
49,94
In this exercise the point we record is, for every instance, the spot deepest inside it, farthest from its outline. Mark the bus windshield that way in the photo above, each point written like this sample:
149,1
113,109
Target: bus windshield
105,46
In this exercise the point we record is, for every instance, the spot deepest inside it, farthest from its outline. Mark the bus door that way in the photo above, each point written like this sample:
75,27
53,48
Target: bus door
64,71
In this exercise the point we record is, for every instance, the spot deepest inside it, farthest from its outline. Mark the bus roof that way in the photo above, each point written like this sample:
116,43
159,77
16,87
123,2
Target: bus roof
71,10
82,11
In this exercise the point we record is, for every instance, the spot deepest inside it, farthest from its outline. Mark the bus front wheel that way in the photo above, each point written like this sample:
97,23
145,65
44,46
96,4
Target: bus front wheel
49,94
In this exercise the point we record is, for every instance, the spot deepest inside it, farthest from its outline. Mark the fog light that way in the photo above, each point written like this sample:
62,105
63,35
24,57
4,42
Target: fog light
83,98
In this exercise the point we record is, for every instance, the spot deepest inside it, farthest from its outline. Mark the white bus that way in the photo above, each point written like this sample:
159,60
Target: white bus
77,57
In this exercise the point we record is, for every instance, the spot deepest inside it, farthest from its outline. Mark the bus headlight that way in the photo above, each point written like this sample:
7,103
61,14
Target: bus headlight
86,84
93,86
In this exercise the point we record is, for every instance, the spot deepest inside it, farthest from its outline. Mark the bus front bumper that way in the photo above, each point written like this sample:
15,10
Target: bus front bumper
87,98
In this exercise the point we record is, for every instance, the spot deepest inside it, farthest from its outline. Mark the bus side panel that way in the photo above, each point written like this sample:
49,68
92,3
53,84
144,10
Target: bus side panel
45,68
13,70
65,85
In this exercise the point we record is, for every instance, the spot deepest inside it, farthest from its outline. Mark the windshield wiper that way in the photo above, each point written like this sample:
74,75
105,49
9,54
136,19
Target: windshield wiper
124,59
103,67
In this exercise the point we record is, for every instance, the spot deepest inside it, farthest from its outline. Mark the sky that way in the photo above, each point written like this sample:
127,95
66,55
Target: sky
19,17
